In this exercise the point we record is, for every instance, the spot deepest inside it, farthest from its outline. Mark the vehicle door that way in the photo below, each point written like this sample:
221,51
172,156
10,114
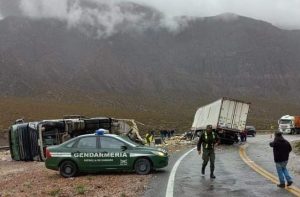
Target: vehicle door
85,151
113,153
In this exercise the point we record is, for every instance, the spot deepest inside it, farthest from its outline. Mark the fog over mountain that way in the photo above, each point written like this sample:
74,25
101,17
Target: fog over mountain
232,57
281,13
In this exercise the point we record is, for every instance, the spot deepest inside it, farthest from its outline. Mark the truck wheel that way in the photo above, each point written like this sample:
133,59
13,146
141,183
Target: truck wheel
142,166
293,131
68,169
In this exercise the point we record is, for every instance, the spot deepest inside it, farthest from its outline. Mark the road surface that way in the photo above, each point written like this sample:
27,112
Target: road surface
241,170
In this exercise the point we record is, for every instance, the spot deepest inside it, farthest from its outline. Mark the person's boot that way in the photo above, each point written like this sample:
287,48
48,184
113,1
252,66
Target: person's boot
203,171
281,185
289,183
212,169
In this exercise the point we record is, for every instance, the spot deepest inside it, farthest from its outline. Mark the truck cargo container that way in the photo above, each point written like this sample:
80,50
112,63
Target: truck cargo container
227,116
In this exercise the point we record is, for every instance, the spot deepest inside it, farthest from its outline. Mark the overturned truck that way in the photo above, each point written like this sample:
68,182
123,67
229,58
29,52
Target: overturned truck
227,116
28,141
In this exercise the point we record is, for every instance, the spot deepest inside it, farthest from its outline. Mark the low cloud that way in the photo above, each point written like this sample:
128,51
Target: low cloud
98,18
103,18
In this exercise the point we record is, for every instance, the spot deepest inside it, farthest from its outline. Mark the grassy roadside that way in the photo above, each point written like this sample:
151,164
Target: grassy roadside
160,113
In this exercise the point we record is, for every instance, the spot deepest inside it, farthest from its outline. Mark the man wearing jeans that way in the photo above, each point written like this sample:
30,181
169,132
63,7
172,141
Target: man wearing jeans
281,150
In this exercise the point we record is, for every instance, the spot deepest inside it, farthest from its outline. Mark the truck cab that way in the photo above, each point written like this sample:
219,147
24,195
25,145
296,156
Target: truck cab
286,124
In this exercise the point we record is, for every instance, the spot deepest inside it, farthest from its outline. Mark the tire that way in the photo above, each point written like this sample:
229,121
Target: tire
293,131
68,169
142,166
253,135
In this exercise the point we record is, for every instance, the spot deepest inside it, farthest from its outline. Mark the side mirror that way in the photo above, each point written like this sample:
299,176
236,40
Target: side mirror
123,148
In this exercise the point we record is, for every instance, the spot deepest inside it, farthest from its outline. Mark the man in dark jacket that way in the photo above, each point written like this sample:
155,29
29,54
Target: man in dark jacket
281,150
208,139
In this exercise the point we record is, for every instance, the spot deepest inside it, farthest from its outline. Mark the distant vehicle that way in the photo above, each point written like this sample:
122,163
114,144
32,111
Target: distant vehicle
250,130
102,152
289,124
227,116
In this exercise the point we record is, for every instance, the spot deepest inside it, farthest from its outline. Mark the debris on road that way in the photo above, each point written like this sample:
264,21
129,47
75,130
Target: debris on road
177,143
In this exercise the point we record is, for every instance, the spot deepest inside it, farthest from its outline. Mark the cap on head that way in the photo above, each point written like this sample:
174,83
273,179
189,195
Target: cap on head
209,126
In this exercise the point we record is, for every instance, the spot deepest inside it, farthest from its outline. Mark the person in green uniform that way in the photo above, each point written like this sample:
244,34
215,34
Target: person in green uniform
208,140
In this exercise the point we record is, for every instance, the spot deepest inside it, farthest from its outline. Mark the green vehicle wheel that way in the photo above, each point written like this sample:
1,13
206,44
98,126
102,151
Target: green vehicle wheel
68,169
142,166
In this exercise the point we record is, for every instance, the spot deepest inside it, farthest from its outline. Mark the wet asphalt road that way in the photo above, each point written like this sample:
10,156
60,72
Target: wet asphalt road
261,153
234,177
160,178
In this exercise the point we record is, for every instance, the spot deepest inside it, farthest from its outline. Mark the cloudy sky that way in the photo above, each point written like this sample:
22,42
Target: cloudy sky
282,13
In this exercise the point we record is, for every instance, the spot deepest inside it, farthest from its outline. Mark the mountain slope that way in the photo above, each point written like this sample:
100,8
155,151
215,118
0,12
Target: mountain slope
206,59
239,56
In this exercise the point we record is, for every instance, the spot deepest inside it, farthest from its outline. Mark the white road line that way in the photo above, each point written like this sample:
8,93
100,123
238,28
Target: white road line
171,181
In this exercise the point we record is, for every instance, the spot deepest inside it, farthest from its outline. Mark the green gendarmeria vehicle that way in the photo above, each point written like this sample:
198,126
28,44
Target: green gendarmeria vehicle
101,152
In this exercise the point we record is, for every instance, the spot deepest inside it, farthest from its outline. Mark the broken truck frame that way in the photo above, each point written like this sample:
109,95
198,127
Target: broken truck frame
28,140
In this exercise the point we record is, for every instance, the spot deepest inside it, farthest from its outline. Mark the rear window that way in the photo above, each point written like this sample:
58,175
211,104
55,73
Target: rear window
70,144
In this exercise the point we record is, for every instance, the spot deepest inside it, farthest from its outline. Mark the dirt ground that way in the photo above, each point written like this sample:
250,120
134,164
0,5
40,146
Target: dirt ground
33,179
3,139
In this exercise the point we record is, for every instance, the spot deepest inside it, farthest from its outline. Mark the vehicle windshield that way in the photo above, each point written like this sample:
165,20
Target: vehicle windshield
128,140
285,121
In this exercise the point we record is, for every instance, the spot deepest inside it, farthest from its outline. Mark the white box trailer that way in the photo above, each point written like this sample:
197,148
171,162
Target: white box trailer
227,117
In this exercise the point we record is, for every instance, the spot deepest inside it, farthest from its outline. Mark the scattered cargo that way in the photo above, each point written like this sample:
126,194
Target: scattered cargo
289,124
227,116
28,141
